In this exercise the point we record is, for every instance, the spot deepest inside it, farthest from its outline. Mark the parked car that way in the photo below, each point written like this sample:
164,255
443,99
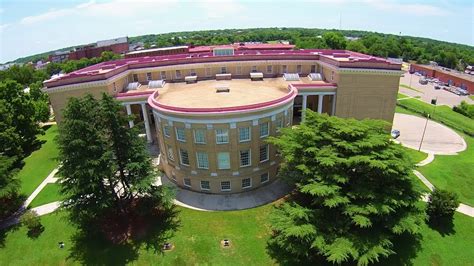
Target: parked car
423,81
437,87
395,133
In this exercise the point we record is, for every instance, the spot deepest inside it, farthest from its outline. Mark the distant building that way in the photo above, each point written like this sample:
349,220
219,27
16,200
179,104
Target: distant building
158,51
450,76
118,46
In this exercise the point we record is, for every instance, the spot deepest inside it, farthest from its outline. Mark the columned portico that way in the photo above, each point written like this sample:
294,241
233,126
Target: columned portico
147,123
321,102
145,114
129,112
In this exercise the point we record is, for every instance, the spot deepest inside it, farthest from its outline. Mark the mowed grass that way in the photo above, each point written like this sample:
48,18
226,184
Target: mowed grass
197,242
40,163
410,88
414,155
50,193
454,172
442,114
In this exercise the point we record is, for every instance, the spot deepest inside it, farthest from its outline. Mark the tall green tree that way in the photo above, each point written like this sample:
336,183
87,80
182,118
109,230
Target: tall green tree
10,201
353,196
105,166
335,40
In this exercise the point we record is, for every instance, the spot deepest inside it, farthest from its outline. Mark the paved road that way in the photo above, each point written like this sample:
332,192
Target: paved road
439,139
428,92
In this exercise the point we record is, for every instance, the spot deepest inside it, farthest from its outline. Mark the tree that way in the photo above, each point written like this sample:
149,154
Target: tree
356,46
18,125
10,201
441,205
40,102
353,192
32,222
335,40
105,167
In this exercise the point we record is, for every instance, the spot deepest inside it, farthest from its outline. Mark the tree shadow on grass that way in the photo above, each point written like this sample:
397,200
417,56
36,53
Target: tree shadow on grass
444,225
90,247
406,247
4,233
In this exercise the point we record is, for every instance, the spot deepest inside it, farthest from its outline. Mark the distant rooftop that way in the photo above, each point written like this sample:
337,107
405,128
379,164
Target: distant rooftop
158,49
451,72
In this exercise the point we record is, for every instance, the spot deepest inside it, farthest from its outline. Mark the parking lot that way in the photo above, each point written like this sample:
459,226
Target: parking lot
427,92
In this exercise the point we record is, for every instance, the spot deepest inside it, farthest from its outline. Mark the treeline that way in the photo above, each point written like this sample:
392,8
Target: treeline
421,50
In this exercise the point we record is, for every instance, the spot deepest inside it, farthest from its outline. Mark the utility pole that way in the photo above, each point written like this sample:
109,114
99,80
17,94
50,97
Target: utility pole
433,101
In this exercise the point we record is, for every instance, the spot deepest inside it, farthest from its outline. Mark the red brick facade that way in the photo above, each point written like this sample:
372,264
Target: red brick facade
92,51
453,79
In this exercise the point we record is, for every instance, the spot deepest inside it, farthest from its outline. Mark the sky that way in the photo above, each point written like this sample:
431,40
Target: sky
29,27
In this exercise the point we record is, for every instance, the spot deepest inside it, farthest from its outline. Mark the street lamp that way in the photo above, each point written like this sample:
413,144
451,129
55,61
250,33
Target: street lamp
433,102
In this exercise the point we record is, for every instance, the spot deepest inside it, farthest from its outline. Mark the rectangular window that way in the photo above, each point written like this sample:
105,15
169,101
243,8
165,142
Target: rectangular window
163,75
192,72
264,178
178,74
200,136
222,136
180,135
245,158
332,75
264,130
187,182
238,70
313,68
148,76
223,70
269,69
166,131
115,87
202,160
208,72
284,69
205,185
183,154
225,186
279,123
135,77
246,182
298,69
170,153
254,69
223,160
244,134
264,153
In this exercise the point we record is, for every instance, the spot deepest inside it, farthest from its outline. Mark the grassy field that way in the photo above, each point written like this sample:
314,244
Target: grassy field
49,194
415,156
443,114
40,163
197,243
454,172
410,88
472,97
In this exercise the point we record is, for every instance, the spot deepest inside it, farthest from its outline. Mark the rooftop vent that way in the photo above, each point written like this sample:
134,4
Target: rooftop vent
222,88
155,84
315,76
291,76
133,86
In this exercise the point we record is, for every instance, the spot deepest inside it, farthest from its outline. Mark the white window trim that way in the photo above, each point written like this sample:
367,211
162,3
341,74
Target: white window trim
268,154
164,132
250,159
135,79
247,186
200,184
230,185
177,138
181,158
197,162
271,69
250,135
148,77
168,147
194,133
227,133
268,178
268,130
163,77
184,182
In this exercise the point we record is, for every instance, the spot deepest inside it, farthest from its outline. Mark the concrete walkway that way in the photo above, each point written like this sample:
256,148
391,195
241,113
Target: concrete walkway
228,202
49,179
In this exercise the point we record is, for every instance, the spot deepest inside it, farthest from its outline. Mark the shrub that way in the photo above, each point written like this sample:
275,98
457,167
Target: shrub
442,204
31,220
465,109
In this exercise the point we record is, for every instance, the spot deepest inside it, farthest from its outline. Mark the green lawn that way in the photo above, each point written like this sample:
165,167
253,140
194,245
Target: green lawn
40,163
49,194
472,97
197,243
415,155
443,114
401,95
454,172
402,110
410,88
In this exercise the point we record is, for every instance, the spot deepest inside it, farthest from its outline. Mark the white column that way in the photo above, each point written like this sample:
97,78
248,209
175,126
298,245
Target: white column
303,110
333,112
320,103
129,112
147,123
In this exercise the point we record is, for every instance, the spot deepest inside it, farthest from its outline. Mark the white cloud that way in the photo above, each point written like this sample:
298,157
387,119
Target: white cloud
217,9
50,15
4,26
409,8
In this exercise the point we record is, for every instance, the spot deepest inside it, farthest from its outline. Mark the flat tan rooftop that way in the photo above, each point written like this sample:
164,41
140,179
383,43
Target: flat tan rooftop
203,93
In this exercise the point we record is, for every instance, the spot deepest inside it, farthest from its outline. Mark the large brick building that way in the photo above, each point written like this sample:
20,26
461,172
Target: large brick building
454,78
211,112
